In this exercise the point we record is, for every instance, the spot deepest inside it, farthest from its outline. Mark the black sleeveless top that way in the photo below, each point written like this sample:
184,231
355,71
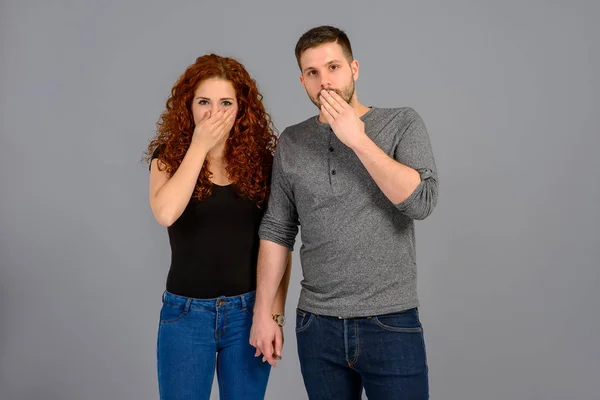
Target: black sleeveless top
214,246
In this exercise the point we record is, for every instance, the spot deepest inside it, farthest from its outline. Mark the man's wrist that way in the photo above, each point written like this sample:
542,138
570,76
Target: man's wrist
279,318
360,141
363,145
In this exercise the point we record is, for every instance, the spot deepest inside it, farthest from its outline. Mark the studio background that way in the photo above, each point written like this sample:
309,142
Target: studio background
507,262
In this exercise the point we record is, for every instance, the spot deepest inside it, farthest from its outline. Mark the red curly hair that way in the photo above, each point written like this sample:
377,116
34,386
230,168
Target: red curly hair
251,143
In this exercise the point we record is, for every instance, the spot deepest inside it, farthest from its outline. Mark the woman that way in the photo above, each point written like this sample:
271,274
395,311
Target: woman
209,183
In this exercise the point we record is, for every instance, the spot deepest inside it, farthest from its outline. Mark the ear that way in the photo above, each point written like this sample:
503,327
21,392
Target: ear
355,69
302,79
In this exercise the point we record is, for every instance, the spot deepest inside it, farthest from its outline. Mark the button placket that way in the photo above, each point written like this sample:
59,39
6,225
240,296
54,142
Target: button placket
333,172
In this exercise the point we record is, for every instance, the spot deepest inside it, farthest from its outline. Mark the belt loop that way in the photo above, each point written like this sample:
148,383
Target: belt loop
163,296
243,301
188,304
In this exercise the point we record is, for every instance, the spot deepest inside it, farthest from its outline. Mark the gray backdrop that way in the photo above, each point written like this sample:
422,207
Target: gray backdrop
507,263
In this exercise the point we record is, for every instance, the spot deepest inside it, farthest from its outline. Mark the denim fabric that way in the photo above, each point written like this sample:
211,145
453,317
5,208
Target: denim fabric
385,354
195,336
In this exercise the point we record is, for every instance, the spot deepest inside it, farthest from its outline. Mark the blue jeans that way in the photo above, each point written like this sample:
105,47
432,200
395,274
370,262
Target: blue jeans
385,354
195,335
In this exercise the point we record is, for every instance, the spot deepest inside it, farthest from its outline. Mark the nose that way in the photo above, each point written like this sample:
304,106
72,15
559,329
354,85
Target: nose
325,81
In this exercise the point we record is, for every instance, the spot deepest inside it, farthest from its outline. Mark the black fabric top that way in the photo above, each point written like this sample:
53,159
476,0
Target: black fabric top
214,246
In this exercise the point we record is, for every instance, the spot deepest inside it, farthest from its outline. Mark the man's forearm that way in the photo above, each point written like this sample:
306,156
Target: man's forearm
281,295
271,269
397,181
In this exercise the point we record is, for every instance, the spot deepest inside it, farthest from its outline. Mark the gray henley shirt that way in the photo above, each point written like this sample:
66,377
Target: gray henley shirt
358,248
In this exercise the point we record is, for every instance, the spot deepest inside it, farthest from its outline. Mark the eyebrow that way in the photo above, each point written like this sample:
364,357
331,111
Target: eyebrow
326,64
206,98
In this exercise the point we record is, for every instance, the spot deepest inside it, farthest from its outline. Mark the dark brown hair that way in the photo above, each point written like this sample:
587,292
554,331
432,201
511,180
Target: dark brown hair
315,37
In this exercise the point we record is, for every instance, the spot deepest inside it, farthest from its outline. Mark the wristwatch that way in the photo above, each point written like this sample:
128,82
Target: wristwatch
279,318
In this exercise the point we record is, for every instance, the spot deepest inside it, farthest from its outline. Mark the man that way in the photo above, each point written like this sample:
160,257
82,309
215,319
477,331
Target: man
354,178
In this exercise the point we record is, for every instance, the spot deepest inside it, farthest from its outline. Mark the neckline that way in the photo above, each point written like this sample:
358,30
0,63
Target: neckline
221,186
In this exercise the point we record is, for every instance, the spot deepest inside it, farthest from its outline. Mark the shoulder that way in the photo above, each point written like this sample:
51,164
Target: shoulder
397,119
158,151
295,131
156,154
397,114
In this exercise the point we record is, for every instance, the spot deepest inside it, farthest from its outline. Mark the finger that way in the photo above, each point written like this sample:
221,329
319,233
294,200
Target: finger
229,117
203,118
231,120
233,114
329,109
338,99
226,123
326,95
252,342
327,115
261,349
326,98
268,354
270,361
278,344
223,118
217,117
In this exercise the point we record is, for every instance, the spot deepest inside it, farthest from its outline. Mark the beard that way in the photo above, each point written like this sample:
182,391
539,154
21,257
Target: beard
346,93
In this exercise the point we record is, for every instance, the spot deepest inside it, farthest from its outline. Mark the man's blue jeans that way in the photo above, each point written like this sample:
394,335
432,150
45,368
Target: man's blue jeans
385,354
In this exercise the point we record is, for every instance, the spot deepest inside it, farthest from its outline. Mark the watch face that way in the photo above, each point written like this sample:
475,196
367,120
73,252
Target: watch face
281,319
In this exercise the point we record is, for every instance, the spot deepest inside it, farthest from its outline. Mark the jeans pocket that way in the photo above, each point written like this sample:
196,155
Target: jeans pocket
405,321
170,314
303,320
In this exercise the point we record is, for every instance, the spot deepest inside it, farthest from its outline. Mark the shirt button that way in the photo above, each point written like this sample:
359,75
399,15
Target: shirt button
331,149
333,172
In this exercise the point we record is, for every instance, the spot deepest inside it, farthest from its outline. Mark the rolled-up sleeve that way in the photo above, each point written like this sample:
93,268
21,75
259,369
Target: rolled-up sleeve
280,221
414,150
